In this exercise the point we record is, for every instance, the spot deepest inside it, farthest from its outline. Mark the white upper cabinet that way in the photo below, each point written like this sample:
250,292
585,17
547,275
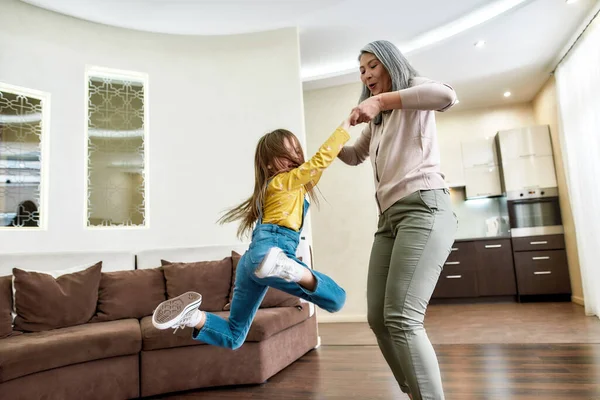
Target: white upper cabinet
532,141
482,182
529,173
479,153
451,164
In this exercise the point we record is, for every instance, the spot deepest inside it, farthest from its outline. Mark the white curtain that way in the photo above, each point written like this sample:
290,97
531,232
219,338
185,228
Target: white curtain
578,83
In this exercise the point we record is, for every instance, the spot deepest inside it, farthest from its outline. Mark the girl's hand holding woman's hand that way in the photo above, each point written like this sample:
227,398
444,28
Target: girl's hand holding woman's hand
346,123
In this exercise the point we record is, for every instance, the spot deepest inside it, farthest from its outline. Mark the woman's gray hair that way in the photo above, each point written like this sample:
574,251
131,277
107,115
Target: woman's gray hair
400,70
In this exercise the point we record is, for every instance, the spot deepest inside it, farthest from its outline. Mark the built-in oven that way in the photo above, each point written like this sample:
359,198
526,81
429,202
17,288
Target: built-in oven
534,212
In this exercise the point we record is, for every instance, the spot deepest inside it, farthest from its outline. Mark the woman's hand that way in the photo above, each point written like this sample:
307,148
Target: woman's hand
366,111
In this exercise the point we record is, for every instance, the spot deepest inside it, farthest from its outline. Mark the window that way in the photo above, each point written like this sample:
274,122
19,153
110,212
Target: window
23,139
116,148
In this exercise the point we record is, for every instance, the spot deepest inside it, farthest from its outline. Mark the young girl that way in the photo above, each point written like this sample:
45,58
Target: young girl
277,208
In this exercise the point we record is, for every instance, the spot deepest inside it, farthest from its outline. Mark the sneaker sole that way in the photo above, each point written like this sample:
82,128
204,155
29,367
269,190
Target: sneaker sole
172,310
268,260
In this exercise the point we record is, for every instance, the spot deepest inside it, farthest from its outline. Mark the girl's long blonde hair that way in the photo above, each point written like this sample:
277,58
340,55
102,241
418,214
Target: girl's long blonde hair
269,147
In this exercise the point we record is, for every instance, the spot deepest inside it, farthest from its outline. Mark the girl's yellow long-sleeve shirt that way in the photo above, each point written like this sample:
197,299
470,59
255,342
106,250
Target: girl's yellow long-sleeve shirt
284,203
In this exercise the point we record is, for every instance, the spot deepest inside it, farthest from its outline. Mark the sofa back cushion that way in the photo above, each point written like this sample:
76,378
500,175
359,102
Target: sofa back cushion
129,294
43,302
273,298
212,279
5,306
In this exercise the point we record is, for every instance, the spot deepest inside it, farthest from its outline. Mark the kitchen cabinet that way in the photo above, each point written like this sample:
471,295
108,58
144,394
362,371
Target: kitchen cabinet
495,270
479,153
542,272
482,182
494,267
526,142
535,243
526,158
478,268
451,163
541,265
529,173
459,275
481,172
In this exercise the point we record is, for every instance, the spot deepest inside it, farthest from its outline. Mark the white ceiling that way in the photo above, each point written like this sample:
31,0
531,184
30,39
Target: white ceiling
523,41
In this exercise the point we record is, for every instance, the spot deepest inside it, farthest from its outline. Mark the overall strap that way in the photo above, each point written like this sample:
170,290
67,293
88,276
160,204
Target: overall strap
304,211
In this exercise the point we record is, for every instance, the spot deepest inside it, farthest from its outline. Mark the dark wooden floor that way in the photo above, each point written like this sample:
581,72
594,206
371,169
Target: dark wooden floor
486,352
470,372
534,323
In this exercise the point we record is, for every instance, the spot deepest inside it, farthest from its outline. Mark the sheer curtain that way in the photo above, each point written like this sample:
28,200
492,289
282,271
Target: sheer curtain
578,83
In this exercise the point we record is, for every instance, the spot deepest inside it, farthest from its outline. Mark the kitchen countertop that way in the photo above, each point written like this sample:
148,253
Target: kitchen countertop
472,239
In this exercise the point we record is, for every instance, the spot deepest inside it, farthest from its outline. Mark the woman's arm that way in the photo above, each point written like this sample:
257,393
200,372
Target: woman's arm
310,171
359,151
428,95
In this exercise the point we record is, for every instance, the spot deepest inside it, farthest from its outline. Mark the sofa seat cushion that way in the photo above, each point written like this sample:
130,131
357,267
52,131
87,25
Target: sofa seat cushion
267,322
40,351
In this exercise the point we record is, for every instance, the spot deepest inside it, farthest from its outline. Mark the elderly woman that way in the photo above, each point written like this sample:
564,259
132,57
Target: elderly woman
416,224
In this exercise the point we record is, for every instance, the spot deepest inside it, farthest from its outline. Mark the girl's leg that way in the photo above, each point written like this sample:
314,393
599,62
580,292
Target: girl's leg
231,333
290,275
212,329
424,227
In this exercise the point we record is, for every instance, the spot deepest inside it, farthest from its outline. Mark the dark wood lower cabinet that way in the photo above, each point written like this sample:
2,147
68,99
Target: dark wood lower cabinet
495,269
456,282
478,268
459,276
542,272
525,266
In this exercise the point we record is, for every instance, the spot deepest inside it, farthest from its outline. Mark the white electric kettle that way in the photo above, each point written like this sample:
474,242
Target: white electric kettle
493,226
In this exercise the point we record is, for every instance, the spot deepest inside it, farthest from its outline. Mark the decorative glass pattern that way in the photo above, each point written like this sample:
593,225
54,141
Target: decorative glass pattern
21,136
116,128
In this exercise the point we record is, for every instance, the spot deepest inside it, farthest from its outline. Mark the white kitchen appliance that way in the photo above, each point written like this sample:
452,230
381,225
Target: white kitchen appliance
493,226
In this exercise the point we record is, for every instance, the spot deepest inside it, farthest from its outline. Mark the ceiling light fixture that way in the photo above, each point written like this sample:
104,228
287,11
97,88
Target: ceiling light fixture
571,1
480,43
507,94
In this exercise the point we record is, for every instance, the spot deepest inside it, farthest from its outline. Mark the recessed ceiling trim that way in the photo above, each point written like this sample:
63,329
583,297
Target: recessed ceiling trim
471,20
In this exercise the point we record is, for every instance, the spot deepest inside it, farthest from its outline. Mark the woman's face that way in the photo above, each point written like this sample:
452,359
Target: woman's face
374,75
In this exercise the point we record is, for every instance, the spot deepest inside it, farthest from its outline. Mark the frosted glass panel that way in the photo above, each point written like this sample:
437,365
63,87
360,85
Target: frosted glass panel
21,136
116,150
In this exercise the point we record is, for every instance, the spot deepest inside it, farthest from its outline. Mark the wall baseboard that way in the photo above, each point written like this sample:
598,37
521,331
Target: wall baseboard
325,318
578,300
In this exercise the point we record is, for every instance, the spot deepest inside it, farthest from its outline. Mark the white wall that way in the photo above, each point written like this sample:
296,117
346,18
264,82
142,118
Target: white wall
343,228
210,98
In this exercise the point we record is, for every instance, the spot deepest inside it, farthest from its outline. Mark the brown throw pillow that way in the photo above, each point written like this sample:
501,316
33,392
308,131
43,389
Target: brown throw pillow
273,298
5,306
130,294
212,279
44,303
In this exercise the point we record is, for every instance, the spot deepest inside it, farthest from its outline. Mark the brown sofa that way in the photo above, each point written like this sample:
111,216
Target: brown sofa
116,353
